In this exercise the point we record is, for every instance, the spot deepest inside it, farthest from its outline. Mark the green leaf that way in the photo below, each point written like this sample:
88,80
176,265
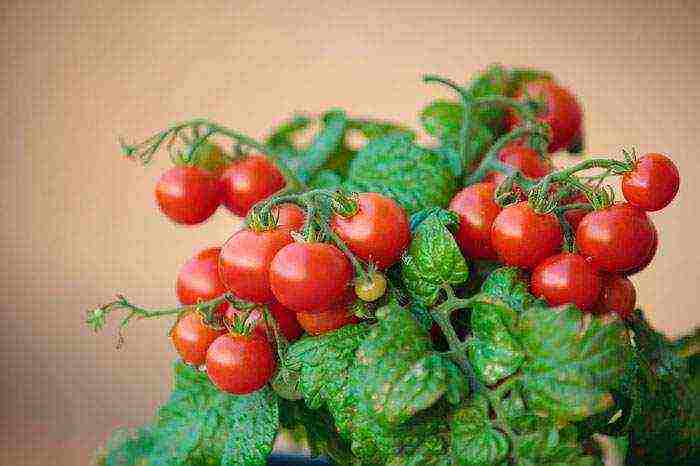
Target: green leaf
201,425
281,140
433,259
394,165
324,149
325,179
475,442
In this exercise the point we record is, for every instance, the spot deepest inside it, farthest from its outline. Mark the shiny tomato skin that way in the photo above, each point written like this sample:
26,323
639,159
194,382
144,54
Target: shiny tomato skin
188,195
378,232
561,111
310,277
477,210
566,278
198,279
522,158
286,320
240,364
523,238
331,319
248,181
616,239
191,338
617,295
244,262
289,216
652,184
649,258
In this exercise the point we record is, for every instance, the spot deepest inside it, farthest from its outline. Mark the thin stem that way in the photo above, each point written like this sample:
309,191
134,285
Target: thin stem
360,271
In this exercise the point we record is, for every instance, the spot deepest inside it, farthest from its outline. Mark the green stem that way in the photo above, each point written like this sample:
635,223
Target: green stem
360,271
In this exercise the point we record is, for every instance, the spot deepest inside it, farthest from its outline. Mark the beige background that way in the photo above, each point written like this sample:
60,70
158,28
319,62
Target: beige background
79,222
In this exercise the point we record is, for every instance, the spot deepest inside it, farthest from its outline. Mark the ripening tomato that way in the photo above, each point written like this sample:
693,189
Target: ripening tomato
248,181
652,184
522,158
330,319
378,232
191,338
650,257
199,280
244,262
566,278
289,216
240,364
286,320
372,287
310,277
523,238
188,195
477,210
618,295
616,239
558,108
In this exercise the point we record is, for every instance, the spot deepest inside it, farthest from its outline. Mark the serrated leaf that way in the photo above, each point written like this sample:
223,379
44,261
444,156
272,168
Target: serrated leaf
394,165
433,259
475,442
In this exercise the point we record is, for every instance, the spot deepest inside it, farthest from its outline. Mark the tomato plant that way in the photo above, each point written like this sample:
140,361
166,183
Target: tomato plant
522,158
240,364
248,181
566,278
286,320
289,216
477,209
653,182
191,338
333,318
618,295
372,287
199,280
188,195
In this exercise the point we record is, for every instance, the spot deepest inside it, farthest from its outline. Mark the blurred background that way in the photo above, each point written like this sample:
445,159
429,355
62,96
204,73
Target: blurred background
79,222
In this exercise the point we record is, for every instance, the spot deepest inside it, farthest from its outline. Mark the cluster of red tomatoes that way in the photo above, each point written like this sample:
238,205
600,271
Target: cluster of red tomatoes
611,243
303,284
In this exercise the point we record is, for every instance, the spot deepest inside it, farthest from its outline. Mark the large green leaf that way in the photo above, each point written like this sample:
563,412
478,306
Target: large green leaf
433,259
394,165
475,442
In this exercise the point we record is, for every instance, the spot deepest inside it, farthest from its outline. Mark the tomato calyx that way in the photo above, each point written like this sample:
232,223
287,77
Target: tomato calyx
344,205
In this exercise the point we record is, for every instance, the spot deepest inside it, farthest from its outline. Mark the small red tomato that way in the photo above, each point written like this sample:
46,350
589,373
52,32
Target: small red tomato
310,277
335,317
618,295
477,210
523,238
378,232
244,262
522,158
289,216
199,280
650,257
616,239
192,337
286,320
652,184
248,181
558,108
575,216
240,364
188,195
566,278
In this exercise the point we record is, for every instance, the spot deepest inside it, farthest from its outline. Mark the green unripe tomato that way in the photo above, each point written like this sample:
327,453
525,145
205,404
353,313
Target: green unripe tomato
372,288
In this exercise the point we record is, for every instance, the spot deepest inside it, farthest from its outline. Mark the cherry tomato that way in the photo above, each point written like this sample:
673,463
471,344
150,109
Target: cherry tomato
477,210
378,232
310,277
248,181
333,318
652,184
192,337
199,280
523,238
566,278
575,216
244,262
210,157
522,158
289,216
650,257
240,364
559,109
286,320
618,295
616,239
372,288
188,195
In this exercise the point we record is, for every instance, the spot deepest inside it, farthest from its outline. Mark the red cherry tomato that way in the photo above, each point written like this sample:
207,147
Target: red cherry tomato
378,232
310,277
240,364
192,337
652,184
616,239
559,109
286,320
335,317
248,181
575,216
566,278
522,158
477,210
188,195
650,257
199,280
244,262
618,295
523,238
289,216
